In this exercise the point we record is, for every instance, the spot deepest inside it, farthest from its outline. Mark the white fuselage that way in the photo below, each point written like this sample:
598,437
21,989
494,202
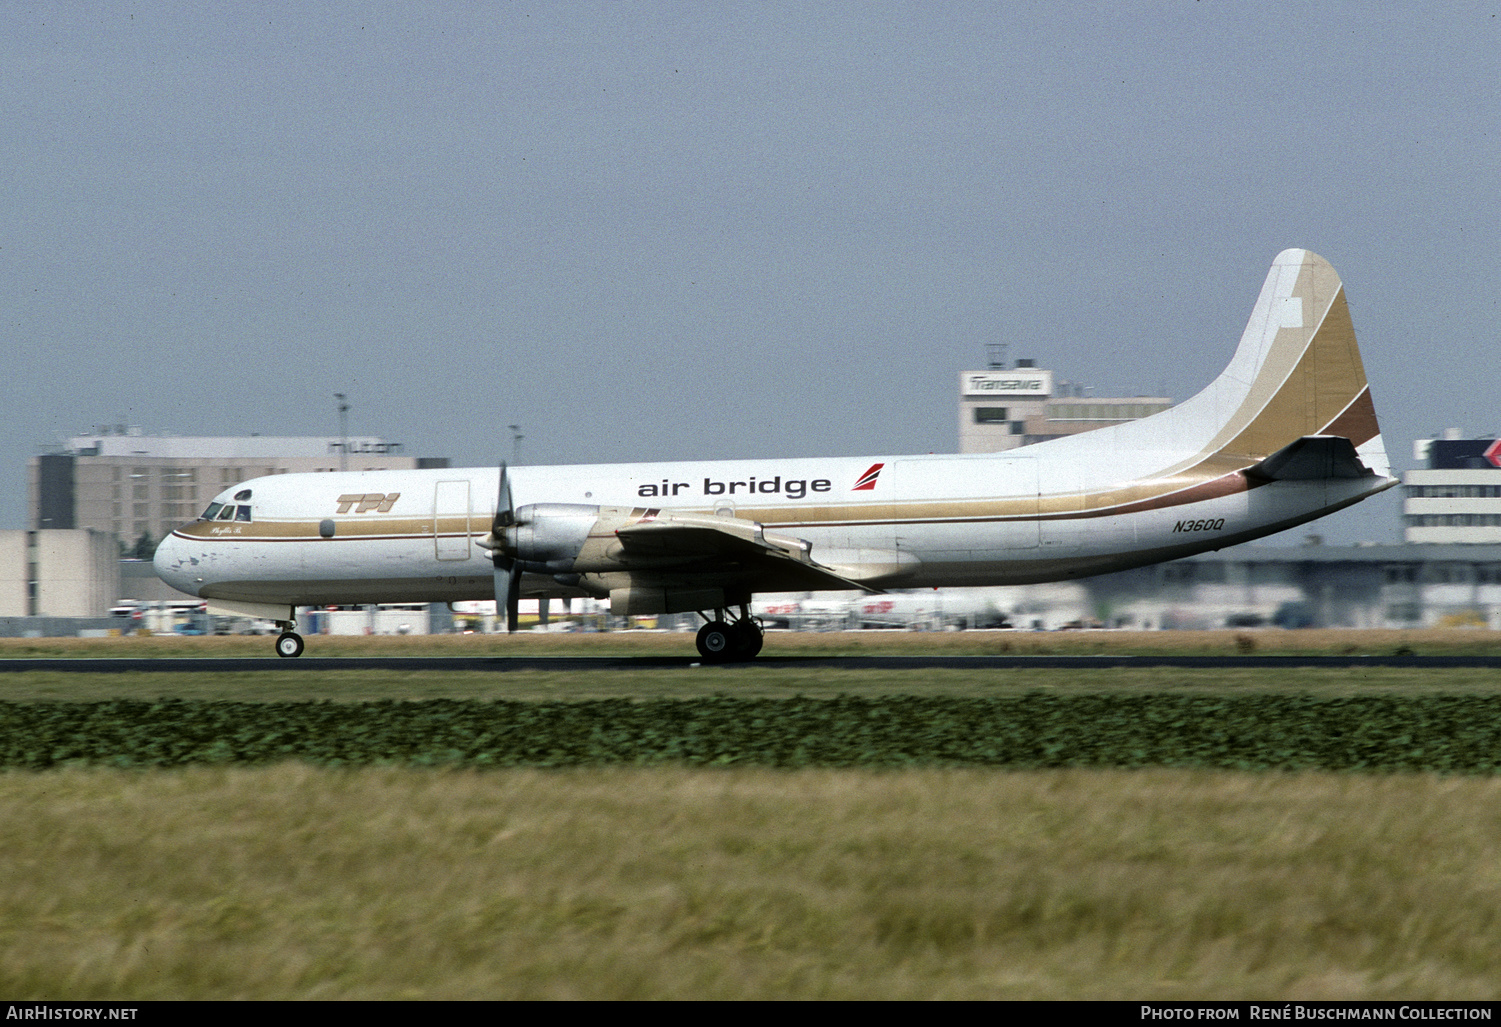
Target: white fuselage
990,519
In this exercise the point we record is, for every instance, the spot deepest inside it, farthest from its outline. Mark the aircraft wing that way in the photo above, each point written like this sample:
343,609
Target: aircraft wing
724,543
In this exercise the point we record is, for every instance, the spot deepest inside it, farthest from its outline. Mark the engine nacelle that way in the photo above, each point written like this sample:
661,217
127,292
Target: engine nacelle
548,536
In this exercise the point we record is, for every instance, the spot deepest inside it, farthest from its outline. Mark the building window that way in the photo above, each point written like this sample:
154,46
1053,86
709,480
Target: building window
1453,491
1448,573
1404,612
1103,411
1453,520
1269,574
991,415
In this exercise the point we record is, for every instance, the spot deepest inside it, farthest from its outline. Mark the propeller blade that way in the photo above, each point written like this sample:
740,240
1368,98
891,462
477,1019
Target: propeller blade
513,600
505,517
507,567
507,574
502,587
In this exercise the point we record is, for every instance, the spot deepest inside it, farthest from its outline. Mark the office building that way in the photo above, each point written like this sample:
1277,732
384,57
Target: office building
1003,407
1456,498
137,486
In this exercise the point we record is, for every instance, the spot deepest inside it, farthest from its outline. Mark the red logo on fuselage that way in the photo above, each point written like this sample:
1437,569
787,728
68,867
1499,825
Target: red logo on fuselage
868,479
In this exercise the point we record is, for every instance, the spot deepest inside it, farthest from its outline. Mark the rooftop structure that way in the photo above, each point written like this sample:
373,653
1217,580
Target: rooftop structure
1457,497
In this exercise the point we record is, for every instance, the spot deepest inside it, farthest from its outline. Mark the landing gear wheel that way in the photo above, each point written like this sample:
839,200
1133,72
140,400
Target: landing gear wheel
289,644
716,642
747,639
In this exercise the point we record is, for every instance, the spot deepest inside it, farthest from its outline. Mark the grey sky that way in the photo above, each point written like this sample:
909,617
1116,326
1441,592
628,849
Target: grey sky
705,230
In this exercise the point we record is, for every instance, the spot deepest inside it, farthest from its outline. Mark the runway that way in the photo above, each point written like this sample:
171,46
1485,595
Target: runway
504,664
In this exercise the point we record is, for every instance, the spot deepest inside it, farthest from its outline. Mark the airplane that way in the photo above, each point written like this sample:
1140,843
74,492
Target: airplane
975,607
1286,434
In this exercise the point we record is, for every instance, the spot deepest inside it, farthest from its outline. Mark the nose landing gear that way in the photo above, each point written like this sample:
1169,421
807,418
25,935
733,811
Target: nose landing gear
729,642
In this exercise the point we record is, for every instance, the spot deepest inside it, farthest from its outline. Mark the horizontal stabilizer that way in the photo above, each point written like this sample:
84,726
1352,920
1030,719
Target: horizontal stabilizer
1312,458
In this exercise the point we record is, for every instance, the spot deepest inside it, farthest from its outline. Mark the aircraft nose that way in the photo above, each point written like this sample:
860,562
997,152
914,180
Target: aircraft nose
175,566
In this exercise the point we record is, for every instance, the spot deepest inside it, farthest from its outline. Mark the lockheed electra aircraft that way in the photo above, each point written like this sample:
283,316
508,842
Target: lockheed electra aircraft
1286,434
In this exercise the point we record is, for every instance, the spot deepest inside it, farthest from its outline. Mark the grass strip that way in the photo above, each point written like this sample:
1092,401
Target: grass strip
1269,642
1263,731
745,682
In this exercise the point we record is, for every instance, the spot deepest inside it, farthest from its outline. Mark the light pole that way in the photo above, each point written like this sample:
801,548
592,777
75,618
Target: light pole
343,431
516,438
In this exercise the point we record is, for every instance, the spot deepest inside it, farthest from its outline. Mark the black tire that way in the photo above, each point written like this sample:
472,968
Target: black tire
289,644
716,642
747,639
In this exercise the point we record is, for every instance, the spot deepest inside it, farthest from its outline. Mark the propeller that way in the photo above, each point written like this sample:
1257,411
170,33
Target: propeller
507,567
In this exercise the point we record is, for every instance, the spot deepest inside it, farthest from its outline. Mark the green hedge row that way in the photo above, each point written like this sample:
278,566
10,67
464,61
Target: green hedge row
1261,732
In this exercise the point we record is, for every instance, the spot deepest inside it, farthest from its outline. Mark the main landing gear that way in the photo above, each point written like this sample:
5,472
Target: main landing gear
729,642
289,642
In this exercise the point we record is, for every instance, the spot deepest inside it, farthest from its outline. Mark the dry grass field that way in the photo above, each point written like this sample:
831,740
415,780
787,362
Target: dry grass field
290,882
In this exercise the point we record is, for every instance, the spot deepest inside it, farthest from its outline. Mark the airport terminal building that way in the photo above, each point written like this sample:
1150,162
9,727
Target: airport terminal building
1002,407
133,486
1456,498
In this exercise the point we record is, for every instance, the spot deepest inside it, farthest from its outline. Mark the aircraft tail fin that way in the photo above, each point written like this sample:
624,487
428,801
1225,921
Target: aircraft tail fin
1297,373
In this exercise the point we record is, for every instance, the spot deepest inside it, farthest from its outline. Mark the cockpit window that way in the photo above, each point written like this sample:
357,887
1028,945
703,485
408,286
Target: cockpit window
227,513
242,513
212,511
